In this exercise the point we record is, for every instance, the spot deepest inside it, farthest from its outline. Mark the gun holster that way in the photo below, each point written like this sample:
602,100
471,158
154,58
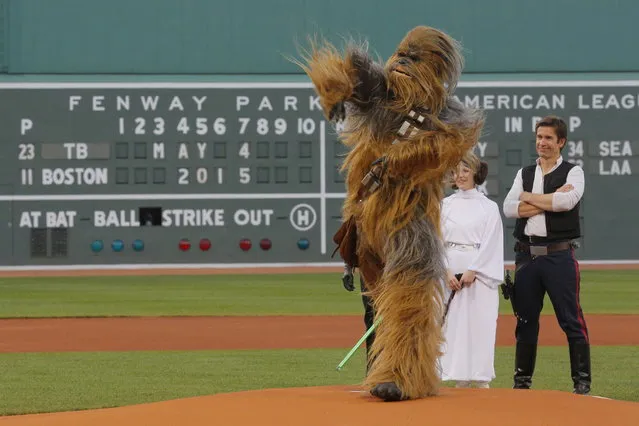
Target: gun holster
508,291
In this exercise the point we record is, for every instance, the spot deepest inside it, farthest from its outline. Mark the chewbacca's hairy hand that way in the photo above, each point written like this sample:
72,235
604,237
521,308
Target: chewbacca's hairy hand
333,91
333,76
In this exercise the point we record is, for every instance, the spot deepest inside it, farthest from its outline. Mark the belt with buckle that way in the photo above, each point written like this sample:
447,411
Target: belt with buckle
541,249
463,246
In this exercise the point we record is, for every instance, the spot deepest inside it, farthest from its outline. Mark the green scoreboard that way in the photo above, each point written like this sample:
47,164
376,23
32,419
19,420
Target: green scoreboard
242,174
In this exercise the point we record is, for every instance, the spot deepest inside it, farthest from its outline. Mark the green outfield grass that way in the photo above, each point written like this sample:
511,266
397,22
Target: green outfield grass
71,381
46,382
308,294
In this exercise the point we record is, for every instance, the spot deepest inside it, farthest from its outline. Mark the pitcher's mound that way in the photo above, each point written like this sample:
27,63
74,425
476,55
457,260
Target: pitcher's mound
344,405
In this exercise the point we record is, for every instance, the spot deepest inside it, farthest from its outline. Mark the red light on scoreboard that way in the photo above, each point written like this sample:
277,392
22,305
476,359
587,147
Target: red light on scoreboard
265,243
205,244
245,244
184,244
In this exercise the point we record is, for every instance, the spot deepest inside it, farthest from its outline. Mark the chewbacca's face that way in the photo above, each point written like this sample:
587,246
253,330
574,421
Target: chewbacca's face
424,70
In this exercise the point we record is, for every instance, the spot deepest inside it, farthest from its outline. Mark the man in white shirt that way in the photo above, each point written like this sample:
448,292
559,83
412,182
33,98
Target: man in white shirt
545,199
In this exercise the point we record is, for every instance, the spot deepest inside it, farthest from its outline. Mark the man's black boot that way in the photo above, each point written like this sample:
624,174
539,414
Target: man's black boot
580,366
525,357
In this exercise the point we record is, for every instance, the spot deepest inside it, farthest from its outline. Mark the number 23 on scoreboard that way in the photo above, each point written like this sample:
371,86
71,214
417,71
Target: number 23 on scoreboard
26,151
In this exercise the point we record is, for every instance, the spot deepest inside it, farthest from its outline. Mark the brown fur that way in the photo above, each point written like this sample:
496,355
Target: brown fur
332,74
399,251
408,297
432,82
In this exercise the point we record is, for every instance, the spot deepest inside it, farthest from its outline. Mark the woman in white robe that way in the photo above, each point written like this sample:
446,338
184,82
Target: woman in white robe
473,233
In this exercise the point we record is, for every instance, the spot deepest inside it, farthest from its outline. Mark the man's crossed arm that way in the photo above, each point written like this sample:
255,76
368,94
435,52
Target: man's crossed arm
541,202
519,203
526,209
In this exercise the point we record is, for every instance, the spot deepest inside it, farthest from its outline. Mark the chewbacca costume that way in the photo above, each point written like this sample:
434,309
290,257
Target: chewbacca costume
405,132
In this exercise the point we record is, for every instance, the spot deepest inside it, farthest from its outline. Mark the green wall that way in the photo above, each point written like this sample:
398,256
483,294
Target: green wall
251,36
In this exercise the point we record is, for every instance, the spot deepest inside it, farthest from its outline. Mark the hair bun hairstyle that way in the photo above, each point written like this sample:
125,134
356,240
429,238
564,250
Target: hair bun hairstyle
481,174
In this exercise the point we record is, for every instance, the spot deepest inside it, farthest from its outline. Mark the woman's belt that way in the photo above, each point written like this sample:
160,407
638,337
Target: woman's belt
463,246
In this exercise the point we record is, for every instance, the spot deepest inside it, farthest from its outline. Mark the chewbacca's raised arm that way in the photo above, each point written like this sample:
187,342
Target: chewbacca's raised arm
371,85
352,76
431,152
429,155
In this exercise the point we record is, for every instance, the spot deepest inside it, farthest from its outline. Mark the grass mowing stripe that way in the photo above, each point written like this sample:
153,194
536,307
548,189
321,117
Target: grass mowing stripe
41,382
303,294
175,295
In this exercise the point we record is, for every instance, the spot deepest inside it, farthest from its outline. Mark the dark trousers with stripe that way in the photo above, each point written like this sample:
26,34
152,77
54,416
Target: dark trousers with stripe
557,274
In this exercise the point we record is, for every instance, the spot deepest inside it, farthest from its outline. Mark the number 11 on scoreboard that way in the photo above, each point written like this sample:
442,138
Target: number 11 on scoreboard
26,176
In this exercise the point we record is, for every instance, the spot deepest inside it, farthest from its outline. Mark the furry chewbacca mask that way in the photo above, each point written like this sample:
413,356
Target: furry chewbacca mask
424,70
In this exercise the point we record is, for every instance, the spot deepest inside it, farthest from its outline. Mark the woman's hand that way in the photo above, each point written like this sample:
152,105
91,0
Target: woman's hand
467,278
453,283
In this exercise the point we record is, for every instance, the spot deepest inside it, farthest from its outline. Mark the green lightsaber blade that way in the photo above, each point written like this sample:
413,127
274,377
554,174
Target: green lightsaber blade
358,344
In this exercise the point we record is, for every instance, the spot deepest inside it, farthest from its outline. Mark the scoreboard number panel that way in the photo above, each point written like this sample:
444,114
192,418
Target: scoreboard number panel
165,140
249,173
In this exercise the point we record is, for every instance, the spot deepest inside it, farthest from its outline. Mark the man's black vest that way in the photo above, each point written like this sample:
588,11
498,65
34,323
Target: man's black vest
559,225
